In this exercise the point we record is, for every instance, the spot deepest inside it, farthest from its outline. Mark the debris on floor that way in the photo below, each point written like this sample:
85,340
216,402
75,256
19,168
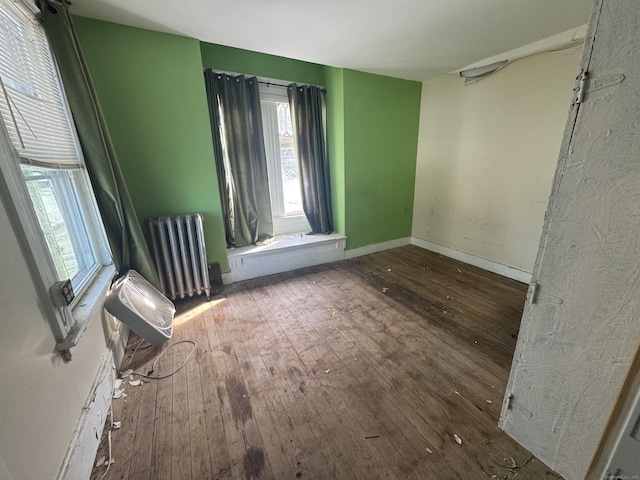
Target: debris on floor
119,393
103,461
457,439
116,425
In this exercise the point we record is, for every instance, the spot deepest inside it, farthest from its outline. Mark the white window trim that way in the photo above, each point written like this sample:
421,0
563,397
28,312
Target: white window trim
290,224
282,224
275,89
68,323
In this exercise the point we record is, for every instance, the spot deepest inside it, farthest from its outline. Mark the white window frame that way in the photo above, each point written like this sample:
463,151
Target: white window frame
69,322
282,224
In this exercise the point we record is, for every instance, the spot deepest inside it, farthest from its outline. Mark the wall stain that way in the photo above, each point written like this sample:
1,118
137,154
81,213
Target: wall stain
253,463
239,400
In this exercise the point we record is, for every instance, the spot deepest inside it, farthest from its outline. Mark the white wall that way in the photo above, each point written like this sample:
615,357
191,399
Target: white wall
41,397
487,153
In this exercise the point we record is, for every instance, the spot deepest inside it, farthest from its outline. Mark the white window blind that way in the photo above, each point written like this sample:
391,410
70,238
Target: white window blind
30,97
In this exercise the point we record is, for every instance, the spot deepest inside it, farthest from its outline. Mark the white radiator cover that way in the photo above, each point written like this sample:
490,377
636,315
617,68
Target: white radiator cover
180,255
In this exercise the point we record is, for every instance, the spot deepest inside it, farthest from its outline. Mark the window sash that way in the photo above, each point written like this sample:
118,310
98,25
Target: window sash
59,210
272,150
38,138
283,222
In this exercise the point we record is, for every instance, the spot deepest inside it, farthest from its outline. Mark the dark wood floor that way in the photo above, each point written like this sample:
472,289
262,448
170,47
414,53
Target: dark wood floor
367,368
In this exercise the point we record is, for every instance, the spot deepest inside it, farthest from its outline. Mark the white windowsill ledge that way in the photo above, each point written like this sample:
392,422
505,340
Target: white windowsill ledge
284,253
89,306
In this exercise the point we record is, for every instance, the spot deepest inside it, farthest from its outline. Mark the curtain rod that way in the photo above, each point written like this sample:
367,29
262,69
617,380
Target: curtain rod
264,81
271,84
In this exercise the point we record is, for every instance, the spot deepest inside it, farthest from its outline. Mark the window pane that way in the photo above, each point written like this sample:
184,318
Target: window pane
290,181
55,201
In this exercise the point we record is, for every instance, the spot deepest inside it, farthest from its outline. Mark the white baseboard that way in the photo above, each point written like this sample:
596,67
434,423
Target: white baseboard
505,271
81,454
282,255
377,247
290,254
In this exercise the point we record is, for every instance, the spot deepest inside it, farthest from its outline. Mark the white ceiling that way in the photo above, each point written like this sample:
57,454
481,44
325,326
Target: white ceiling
411,39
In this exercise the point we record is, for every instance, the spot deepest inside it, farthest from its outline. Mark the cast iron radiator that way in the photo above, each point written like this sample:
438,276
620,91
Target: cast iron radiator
180,255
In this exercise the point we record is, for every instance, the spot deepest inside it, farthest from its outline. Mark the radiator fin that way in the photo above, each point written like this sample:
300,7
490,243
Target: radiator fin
180,255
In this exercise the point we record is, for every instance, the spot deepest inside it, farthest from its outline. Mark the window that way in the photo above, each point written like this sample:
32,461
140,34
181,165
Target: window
60,214
282,167
41,162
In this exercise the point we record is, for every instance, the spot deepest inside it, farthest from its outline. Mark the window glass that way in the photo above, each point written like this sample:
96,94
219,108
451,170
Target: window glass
34,112
282,165
58,209
292,196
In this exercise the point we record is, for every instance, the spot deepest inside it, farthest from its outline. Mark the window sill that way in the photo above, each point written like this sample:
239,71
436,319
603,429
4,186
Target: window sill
284,253
291,225
89,305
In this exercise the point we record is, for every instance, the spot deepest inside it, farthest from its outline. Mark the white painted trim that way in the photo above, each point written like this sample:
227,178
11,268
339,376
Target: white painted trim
489,265
32,242
284,254
377,247
546,44
65,326
78,461
291,225
121,338
87,307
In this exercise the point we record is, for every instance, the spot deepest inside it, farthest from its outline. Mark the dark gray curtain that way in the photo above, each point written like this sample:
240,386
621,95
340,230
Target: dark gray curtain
238,146
128,246
309,124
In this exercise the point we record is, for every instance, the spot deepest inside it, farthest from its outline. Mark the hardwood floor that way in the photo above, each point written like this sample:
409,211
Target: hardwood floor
368,368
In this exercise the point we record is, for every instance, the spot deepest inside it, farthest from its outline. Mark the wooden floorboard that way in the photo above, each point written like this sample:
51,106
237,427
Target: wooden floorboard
362,369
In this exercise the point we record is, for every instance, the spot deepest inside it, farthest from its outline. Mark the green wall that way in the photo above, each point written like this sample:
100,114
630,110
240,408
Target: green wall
236,60
228,59
151,90
334,81
381,117
372,133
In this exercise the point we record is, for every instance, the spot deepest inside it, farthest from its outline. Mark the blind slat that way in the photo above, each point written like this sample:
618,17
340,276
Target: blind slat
31,102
